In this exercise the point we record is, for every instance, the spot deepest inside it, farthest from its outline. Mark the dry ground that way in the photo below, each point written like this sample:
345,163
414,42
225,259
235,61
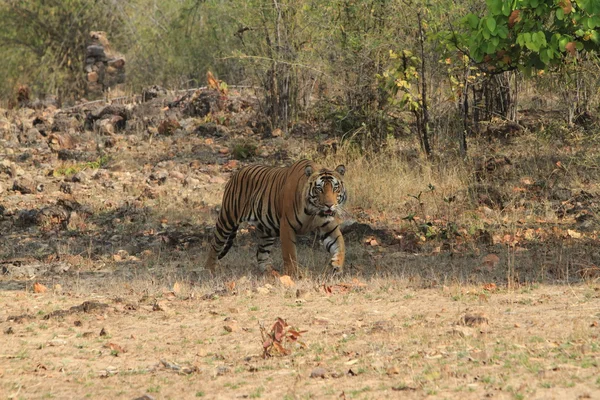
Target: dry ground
466,279
389,338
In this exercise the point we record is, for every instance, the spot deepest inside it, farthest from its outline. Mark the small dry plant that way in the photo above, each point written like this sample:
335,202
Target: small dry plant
275,341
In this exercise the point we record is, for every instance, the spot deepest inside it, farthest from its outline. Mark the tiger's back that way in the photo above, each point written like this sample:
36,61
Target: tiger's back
281,202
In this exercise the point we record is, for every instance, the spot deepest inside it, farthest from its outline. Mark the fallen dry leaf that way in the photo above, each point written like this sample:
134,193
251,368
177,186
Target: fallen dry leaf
230,286
287,281
39,288
115,348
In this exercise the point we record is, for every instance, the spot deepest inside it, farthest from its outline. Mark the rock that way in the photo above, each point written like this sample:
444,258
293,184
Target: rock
177,175
60,141
96,51
208,129
30,136
11,169
191,182
159,177
24,185
168,126
79,177
66,188
152,92
101,174
202,102
319,372
75,222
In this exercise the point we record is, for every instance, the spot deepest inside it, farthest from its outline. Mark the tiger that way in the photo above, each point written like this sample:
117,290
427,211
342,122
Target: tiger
282,202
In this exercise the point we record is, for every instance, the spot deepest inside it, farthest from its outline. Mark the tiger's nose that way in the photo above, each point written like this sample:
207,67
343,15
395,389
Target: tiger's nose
329,204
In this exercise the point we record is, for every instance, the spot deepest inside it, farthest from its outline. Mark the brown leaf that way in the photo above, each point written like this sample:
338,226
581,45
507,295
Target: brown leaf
212,82
115,348
281,349
230,286
515,16
566,6
39,288
571,48
287,281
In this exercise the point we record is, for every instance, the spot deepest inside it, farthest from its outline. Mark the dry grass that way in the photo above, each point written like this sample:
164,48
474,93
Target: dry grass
389,338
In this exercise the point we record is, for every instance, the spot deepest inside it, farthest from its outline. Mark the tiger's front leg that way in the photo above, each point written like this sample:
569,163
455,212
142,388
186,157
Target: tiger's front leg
334,243
288,249
263,253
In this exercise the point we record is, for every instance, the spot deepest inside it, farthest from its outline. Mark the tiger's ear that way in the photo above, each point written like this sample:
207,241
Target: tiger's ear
308,170
340,169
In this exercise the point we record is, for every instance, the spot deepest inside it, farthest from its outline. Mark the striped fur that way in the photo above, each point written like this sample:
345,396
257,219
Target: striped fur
282,202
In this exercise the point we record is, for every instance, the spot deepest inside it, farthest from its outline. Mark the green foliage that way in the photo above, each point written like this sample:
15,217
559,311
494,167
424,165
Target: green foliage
73,169
529,34
44,42
244,150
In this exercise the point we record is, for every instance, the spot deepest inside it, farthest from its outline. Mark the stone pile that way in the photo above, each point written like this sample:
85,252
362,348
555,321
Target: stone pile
105,68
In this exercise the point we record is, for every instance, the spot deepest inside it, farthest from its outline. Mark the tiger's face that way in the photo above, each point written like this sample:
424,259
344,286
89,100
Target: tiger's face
326,191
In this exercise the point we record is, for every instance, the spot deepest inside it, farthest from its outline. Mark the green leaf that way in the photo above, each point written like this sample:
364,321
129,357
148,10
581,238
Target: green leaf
495,6
502,32
534,3
506,8
562,43
486,34
472,20
579,46
560,14
541,39
544,57
491,24
491,48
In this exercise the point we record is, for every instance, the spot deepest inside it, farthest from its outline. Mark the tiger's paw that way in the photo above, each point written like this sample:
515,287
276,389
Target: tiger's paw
336,269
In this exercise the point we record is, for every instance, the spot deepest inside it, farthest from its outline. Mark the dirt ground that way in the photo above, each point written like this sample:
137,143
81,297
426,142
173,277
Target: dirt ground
381,339
468,282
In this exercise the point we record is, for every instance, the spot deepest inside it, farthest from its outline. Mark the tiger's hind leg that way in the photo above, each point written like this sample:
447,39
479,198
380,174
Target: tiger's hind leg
263,253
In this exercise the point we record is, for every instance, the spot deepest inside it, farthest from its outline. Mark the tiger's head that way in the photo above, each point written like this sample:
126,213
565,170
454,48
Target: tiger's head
326,190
